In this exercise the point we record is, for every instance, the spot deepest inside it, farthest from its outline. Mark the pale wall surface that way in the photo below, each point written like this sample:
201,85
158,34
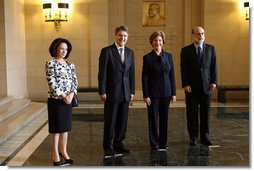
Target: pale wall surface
87,30
227,29
15,49
91,27
3,82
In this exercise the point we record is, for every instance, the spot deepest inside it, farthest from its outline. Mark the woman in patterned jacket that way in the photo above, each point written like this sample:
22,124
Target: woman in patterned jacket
62,82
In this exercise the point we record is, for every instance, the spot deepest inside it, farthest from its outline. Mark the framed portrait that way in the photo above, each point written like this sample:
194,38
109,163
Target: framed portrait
154,13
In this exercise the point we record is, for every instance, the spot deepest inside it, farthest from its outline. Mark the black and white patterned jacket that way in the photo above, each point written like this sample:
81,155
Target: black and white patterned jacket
61,78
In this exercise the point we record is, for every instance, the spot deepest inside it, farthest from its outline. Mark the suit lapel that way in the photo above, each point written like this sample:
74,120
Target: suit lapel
164,61
157,61
117,55
167,64
204,53
127,60
194,53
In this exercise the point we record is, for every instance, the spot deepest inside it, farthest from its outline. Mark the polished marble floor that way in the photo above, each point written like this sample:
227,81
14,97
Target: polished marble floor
229,133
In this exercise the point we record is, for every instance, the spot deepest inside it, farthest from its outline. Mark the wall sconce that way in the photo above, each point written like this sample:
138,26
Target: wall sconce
246,6
56,11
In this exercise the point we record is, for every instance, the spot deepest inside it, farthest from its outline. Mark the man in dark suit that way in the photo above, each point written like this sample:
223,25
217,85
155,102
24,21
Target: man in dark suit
116,81
199,78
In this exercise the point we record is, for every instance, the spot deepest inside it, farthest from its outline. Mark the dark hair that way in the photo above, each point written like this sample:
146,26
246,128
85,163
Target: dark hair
155,34
121,28
53,47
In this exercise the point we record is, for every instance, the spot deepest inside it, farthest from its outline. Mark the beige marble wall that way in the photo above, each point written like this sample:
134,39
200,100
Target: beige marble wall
91,27
227,29
87,30
15,52
3,82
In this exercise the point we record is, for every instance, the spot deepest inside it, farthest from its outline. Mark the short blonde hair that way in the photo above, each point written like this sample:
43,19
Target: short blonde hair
156,34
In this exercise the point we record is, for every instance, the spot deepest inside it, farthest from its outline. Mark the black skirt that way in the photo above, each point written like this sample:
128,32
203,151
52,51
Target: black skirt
59,116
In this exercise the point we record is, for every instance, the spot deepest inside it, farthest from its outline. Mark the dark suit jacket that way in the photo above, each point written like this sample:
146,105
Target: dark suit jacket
196,74
158,79
116,80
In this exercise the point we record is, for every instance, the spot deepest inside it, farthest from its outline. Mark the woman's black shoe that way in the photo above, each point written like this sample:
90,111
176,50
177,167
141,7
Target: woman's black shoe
155,149
58,163
66,161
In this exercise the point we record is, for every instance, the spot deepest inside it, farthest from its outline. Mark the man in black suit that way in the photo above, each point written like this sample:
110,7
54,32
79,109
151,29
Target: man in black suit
116,81
199,78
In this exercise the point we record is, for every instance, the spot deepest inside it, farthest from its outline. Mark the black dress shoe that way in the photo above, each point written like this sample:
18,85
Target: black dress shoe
57,163
122,150
194,142
209,143
163,148
66,161
155,149
109,153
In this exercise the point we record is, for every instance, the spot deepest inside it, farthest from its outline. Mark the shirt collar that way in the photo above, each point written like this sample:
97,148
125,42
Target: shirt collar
198,45
156,53
118,47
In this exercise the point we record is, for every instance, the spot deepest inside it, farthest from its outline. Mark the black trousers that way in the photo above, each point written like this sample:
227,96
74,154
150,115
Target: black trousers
158,121
198,106
115,123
